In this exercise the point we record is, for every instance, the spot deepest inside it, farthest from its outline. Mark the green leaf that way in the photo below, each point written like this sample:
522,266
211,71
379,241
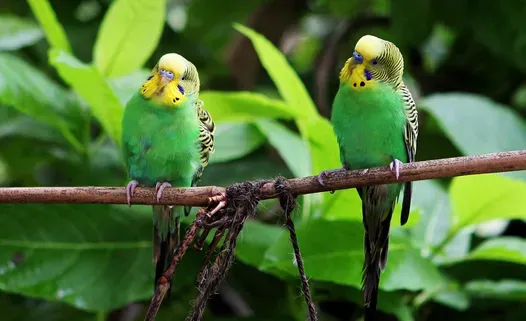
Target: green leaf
284,77
92,87
16,32
477,125
254,240
503,289
35,95
289,145
391,302
55,34
508,249
243,106
17,308
25,126
453,298
83,255
235,140
333,251
481,198
433,202
128,35
124,87
313,128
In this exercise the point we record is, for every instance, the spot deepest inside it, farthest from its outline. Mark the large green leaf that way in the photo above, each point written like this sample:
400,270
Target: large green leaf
313,128
124,87
434,204
285,78
243,106
477,125
503,289
17,308
481,198
25,126
333,251
433,201
36,95
289,145
235,140
93,257
82,255
509,249
128,35
92,87
254,240
16,32
55,34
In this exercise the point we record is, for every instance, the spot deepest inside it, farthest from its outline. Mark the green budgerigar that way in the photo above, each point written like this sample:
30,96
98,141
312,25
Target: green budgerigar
376,123
167,139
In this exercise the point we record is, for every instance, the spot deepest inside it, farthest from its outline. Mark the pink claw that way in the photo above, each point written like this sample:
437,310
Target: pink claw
130,190
395,167
159,189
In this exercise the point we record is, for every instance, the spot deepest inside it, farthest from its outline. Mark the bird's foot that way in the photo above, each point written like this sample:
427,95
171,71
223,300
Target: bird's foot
324,174
395,167
159,189
220,199
130,190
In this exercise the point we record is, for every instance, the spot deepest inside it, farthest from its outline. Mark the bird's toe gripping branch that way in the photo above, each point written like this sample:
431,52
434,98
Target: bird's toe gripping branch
130,190
159,189
395,167
324,173
218,198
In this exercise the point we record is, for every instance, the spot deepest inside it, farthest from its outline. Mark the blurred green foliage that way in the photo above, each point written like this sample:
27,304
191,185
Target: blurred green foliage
67,69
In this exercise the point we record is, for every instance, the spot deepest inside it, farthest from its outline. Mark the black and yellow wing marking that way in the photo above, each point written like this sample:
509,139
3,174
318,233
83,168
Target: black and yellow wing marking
410,138
205,142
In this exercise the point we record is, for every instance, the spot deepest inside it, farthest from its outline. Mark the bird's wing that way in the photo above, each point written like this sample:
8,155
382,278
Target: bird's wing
410,138
205,142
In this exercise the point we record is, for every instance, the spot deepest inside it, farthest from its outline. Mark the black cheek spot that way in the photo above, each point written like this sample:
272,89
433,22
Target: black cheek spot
149,78
354,84
144,90
362,84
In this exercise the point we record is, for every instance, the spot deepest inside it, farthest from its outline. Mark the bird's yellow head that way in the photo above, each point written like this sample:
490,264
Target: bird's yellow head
374,61
171,81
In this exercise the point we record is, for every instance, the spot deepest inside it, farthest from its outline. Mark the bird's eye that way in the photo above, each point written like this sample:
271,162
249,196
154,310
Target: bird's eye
183,78
375,62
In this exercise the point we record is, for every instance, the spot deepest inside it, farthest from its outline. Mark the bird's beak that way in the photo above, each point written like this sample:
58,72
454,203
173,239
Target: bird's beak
163,82
166,78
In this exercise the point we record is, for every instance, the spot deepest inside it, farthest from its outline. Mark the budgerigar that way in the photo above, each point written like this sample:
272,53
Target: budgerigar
376,123
167,139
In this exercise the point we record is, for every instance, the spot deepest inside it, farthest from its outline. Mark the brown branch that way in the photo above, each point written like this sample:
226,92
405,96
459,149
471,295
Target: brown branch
199,196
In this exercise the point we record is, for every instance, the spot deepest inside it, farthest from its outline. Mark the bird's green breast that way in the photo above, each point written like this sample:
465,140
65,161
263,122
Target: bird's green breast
369,124
160,144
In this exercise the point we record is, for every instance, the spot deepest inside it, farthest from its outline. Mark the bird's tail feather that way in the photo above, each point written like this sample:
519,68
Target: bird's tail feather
376,243
164,244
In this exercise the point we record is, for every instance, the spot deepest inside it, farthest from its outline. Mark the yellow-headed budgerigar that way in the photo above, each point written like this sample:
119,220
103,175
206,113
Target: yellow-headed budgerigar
375,121
167,140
